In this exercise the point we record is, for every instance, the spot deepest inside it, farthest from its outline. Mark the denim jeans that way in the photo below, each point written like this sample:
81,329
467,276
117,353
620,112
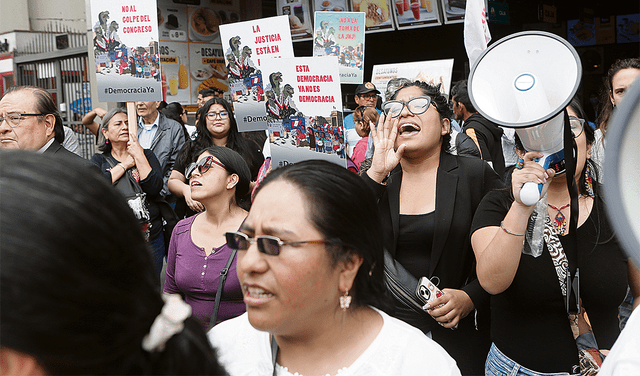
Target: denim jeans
157,249
499,364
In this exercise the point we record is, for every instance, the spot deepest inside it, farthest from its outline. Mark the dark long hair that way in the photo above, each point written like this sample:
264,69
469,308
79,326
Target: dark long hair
441,102
235,141
344,210
607,89
80,300
174,111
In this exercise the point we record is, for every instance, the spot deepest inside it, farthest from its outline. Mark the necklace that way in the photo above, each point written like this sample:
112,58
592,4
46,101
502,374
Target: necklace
559,221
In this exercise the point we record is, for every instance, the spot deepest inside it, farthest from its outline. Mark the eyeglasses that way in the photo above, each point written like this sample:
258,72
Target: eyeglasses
368,96
416,106
14,118
577,126
213,115
269,245
203,166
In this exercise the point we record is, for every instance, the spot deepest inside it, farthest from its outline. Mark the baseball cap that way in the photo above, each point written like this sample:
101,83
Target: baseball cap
365,88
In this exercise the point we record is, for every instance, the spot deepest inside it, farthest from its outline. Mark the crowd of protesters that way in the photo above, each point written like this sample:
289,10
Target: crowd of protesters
307,269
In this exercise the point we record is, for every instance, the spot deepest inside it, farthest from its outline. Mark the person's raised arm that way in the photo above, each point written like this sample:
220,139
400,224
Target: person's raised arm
385,158
498,248
89,119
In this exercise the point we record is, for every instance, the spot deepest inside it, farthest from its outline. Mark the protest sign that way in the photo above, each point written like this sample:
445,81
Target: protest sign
125,46
247,45
410,14
304,110
433,72
341,34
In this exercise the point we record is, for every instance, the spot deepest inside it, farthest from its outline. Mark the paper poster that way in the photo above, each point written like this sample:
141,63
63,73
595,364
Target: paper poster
304,110
628,28
341,34
330,6
411,14
580,33
125,46
247,45
377,13
298,13
433,72
453,10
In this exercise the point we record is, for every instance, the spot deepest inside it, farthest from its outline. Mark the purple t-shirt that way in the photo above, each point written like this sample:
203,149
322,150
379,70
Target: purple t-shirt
196,276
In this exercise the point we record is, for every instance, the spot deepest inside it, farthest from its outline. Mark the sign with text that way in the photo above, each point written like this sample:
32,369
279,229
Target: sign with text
341,34
304,110
434,72
247,46
125,46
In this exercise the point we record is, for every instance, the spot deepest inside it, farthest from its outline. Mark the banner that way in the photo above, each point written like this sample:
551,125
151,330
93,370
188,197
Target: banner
247,46
341,34
433,72
476,30
125,46
304,110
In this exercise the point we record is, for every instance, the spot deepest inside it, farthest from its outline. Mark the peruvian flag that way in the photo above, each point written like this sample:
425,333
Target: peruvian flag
476,30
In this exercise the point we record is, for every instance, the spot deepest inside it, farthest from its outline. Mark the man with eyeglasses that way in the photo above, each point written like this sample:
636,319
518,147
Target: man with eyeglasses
30,120
486,135
366,95
161,135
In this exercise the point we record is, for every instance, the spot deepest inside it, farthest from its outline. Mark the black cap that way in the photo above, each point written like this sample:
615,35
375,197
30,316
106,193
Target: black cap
365,88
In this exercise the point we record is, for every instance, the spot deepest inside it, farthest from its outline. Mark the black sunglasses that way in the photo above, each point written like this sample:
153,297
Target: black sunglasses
269,245
202,166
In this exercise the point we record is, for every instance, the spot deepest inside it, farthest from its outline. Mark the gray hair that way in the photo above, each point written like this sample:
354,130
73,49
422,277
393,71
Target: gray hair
393,85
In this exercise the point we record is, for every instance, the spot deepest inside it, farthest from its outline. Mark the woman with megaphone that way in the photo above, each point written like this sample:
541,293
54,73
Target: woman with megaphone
554,303
427,198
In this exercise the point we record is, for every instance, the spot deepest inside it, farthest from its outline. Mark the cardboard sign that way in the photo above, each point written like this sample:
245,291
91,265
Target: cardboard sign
341,34
247,46
433,72
125,45
304,110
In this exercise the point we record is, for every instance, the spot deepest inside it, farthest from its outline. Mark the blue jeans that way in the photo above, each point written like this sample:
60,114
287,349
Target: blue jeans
499,364
157,252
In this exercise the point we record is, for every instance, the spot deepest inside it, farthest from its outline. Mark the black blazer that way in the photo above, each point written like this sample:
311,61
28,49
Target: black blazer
461,183
60,152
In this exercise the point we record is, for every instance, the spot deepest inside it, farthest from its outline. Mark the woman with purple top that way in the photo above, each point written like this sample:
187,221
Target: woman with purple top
198,250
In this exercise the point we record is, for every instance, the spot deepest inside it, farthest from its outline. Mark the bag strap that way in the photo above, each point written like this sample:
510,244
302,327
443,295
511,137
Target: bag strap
223,278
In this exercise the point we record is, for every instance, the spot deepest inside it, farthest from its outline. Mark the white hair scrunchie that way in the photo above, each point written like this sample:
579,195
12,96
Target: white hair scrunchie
169,322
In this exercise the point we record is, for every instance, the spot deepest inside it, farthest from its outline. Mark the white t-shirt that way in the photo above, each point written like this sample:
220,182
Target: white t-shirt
399,349
624,357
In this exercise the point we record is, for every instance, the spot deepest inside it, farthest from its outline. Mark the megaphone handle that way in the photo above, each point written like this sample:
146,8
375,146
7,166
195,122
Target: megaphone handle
530,193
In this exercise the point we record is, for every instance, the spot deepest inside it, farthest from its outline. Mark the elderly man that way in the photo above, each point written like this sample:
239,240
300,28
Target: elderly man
161,135
366,95
29,120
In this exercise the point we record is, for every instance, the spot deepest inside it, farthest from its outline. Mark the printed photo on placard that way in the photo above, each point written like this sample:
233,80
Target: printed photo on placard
125,47
304,110
453,10
377,13
247,45
298,13
341,34
435,72
330,6
411,14
208,69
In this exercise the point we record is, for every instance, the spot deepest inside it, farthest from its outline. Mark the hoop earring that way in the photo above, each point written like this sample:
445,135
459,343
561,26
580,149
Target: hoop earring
345,301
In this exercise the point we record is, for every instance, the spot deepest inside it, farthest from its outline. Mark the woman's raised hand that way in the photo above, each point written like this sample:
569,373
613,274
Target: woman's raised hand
385,157
133,146
531,172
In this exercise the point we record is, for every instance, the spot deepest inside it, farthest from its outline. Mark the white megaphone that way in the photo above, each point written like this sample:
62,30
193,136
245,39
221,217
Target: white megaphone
525,81
621,175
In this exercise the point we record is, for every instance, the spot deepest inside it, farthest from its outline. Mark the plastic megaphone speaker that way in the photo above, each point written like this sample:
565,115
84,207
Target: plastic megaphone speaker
621,174
525,81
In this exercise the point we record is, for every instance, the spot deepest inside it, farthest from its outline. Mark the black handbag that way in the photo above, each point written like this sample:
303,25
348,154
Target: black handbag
401,284
133,194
